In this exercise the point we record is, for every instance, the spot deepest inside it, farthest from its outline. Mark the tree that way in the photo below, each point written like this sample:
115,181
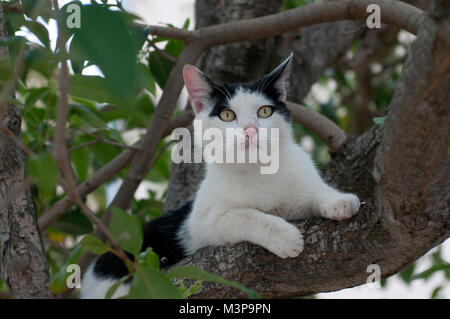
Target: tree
399,167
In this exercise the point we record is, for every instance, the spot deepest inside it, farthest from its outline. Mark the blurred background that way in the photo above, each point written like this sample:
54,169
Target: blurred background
352,85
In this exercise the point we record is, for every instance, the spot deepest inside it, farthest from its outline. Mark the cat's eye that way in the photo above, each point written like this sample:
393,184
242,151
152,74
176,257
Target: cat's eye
265,111
227,115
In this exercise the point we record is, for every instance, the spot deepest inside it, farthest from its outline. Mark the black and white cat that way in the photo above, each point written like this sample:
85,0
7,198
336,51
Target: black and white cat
235,202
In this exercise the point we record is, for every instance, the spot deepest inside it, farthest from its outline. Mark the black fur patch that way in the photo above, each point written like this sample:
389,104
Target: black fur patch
222,92
160,234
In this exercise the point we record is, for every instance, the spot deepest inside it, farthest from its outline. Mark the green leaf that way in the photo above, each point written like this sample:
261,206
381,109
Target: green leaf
436,293
89,243
160,68
74,223
139,34
190,272
105,39
39,31
58,281
192,290
427,273
35,8
150,283
186,24
43,170
174,47
93,245
94,88
80,159
77,55
145,78
111,291
127,230
90,115
407,274
35,94
149,259
40,59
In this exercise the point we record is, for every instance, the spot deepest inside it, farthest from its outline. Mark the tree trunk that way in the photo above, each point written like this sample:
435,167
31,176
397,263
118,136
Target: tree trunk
23,265
401,171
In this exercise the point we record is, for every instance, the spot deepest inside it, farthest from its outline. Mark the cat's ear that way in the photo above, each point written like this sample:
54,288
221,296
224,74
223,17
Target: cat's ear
197,86
278,78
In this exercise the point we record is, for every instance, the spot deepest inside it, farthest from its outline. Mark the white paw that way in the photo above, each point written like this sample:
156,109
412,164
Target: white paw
338,206
285,241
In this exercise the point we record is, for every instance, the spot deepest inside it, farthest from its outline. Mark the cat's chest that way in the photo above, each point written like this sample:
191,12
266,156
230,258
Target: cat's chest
266,193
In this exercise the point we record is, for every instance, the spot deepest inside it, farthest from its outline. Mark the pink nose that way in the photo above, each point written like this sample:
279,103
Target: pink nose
250,131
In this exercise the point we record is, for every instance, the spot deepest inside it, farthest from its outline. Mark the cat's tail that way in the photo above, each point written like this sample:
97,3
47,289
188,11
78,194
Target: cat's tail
164,235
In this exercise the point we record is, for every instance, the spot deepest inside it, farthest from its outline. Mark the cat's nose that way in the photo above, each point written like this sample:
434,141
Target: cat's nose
250,131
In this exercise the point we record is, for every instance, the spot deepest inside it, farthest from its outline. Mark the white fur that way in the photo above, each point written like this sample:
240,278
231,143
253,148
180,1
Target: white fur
235,202
93,287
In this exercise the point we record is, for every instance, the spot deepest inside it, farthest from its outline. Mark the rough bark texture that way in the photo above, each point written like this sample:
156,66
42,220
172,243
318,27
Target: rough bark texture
402,174
23,265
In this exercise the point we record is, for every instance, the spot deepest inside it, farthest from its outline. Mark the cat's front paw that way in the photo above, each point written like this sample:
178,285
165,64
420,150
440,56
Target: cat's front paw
338,206
286,241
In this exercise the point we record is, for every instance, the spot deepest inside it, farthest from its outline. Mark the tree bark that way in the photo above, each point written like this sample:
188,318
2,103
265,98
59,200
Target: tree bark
23,265
400,171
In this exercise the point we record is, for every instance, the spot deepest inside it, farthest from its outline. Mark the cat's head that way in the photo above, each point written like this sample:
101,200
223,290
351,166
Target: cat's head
245,107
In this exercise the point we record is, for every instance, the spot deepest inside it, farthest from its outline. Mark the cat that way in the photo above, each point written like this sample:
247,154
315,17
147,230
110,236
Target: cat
235,202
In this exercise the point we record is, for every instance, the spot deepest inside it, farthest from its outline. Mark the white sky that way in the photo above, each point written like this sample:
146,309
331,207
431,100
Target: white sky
176,12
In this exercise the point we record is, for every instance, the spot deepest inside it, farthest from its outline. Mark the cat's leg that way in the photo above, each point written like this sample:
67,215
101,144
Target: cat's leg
317,198
335,205
272,232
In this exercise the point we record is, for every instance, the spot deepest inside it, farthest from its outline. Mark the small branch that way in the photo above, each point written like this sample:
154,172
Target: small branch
100,139
162,53
16,140
326,129
161,152
182,120
172,33
100,226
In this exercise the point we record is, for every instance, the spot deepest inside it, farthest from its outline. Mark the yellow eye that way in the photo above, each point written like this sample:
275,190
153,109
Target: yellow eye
227,115
265,111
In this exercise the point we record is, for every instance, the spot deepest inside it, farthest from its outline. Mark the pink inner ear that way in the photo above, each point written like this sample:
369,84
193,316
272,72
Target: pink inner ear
197,87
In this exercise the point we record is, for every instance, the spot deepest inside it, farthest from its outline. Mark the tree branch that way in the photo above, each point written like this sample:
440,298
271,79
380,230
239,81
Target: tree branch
395,13
329,132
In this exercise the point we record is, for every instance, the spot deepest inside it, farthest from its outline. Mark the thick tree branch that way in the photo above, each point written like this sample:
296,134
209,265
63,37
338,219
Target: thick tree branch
396,13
